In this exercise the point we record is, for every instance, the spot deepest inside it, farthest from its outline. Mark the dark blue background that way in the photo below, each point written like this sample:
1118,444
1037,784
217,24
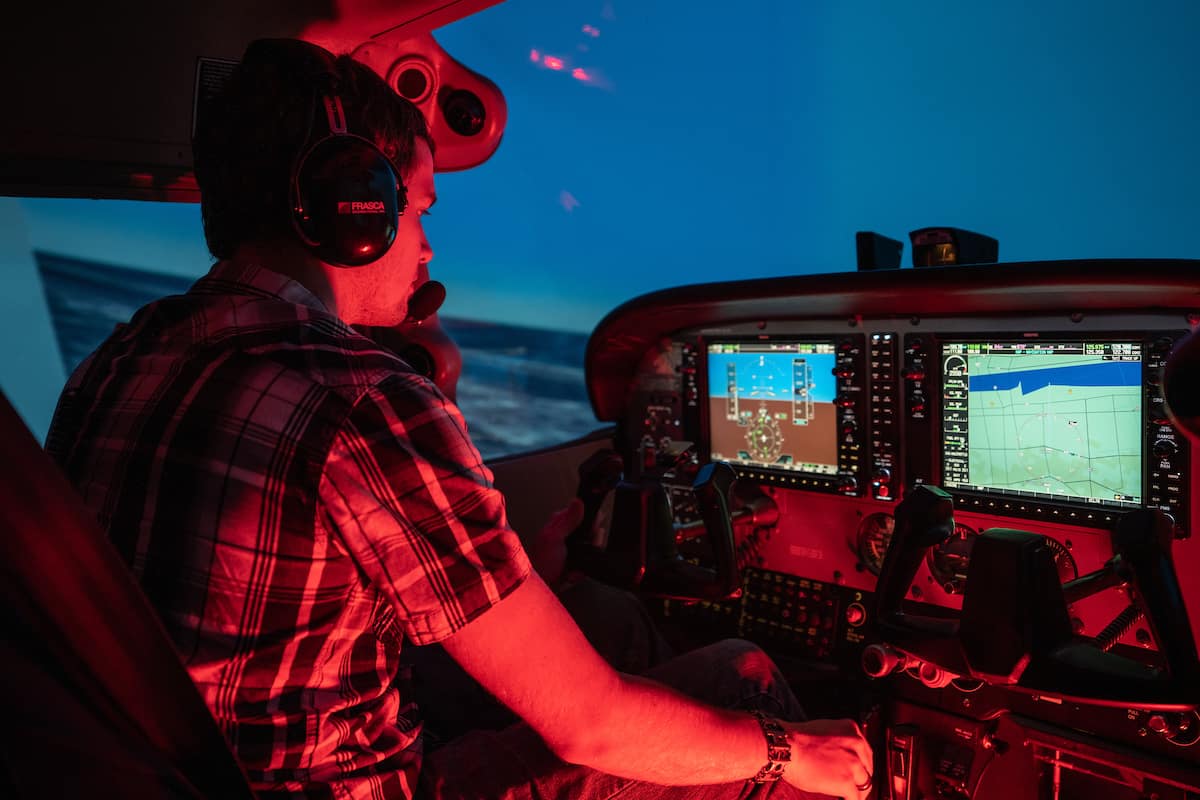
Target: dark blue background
726,140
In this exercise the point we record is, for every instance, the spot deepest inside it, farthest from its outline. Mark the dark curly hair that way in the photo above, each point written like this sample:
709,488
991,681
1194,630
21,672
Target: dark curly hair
251,133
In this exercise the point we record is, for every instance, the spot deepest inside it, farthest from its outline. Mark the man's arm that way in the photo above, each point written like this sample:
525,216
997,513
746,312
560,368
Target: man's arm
528,652
406,493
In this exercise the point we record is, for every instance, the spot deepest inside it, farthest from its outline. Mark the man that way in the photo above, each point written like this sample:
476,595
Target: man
295,500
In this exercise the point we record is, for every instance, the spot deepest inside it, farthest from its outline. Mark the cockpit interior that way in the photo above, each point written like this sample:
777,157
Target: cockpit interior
952,501
901,450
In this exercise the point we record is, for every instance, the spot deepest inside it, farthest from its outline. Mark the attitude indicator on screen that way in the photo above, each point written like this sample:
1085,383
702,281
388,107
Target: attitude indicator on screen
771,405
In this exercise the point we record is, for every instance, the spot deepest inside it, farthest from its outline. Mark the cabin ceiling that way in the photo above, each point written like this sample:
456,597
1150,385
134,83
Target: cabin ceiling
106,106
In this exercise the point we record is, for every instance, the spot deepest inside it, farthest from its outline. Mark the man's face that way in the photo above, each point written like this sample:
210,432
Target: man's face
379,292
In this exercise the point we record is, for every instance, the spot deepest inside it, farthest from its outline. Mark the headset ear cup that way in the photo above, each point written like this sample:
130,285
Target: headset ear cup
347,199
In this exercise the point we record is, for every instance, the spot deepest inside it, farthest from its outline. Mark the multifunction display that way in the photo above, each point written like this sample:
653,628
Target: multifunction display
771,404
1045,419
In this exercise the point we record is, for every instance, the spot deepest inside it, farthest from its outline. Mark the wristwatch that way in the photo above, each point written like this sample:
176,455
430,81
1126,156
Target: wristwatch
779,749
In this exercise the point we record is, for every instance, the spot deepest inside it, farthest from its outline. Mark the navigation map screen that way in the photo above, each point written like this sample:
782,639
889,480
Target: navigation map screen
770,404
1054,420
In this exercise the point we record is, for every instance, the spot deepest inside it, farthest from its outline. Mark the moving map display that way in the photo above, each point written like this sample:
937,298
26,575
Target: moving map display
1058,420
770,404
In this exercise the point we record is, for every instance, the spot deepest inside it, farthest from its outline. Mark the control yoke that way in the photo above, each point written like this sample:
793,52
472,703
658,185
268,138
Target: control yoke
641,551
1014,629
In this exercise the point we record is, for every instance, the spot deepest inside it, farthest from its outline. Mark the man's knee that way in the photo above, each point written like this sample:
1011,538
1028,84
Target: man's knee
742,663
732,673
748,661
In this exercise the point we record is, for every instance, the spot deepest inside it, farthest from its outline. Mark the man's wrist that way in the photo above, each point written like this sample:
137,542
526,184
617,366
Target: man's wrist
779,748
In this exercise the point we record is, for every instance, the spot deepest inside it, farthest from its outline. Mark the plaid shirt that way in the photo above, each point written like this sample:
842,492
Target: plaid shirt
294,500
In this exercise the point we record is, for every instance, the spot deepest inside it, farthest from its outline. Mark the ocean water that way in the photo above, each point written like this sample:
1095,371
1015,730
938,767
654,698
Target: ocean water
521,388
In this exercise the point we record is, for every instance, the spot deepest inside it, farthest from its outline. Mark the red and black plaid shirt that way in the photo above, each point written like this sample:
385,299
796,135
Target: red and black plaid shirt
294,500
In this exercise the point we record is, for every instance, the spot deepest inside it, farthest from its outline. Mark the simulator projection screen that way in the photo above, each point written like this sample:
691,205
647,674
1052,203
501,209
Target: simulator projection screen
1052,420
770,404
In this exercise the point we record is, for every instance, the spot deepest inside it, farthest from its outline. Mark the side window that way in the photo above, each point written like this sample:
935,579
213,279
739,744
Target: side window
521,388
87,299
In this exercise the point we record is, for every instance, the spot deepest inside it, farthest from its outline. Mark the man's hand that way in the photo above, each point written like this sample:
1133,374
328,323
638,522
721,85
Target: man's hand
830,756
548,551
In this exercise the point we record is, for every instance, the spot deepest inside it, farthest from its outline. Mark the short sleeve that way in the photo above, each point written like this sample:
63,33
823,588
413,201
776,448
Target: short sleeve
414,505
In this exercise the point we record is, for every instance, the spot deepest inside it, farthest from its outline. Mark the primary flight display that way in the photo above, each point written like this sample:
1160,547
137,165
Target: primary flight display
770,404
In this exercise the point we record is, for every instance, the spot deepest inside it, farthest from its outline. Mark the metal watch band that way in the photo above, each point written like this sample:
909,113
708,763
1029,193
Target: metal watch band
779,749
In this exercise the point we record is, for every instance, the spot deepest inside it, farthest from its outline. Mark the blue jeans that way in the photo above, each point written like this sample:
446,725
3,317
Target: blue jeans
514,763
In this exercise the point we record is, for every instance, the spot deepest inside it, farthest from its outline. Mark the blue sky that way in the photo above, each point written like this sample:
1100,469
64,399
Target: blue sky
753,139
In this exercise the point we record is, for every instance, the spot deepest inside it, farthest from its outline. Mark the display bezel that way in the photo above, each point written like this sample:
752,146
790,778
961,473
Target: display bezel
1011,500
778,474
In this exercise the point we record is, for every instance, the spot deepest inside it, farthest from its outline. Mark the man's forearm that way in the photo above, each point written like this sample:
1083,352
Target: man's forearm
528,652
648,731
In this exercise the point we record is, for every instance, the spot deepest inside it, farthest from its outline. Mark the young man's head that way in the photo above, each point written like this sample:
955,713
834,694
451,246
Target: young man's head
247,150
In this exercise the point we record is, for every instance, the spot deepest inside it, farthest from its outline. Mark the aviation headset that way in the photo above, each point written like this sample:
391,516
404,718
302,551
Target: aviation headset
345,195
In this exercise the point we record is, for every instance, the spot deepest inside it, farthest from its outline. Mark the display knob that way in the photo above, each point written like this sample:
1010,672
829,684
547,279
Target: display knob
1165,447
1162,345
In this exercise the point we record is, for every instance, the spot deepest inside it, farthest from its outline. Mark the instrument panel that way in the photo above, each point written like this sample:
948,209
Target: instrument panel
1031,393
1045,425
834,420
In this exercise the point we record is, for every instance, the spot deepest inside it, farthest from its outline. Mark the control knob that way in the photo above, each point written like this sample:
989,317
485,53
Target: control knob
1165,448
879,660
1167,724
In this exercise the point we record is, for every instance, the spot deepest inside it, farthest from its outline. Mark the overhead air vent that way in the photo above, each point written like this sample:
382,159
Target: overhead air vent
412,78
